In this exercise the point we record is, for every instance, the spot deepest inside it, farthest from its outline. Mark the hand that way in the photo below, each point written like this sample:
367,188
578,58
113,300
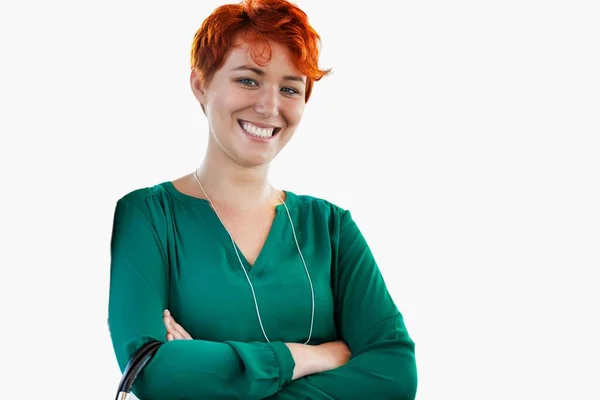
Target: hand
313,359
174,330
309,359
334,354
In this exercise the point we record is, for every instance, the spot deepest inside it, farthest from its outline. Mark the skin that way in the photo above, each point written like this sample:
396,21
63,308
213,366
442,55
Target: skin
235,168
234,171
309,359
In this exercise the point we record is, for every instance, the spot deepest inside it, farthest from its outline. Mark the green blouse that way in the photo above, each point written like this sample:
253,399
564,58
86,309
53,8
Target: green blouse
169,250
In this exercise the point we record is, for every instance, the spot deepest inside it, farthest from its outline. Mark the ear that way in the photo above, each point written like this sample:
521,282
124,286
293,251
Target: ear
197,87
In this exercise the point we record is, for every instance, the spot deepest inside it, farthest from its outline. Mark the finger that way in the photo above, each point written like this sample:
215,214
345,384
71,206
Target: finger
179,329
166,317
173,330
173,327
171,333
167,323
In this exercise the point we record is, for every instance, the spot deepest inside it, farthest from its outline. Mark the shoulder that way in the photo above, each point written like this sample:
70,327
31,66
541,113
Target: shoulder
318,206
141,196
150,201
309,200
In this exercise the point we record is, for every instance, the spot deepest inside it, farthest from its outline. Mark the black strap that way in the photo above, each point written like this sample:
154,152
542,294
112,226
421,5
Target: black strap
137,362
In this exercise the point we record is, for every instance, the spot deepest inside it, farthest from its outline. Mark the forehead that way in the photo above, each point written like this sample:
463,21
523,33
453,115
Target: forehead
271,57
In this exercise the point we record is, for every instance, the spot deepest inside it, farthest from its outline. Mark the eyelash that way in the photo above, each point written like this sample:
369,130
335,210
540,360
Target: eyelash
244,81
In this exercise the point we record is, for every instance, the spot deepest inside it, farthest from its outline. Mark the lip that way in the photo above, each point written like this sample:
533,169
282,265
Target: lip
255,138
241,121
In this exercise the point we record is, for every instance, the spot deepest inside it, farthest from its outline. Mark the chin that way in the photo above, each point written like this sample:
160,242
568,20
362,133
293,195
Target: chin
253,161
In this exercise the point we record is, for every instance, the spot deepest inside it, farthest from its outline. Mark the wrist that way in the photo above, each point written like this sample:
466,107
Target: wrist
306,359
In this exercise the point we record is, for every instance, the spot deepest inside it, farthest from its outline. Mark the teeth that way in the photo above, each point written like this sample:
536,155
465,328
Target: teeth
258,132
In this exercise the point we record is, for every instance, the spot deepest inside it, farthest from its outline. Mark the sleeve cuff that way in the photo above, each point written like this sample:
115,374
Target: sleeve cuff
286,362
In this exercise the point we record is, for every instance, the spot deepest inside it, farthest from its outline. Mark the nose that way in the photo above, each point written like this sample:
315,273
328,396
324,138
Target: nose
267,103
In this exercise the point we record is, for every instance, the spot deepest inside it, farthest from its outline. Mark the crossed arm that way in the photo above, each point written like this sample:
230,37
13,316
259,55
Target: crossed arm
381,365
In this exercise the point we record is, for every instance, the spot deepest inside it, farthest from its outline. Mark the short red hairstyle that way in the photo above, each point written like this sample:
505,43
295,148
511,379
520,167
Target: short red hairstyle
257,21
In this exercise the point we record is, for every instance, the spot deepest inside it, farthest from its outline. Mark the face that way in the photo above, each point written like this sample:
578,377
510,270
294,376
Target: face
252,110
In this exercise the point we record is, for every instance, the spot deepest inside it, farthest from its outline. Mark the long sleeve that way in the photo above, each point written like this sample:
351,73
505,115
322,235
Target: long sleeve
383,363
182,369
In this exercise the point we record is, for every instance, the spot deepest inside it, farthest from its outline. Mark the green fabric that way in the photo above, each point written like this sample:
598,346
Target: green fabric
169,250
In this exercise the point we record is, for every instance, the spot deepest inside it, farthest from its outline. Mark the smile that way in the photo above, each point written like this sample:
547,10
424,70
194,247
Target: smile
258,131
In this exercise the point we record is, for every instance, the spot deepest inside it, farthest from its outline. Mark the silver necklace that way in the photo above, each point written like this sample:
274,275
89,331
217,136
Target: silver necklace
312,292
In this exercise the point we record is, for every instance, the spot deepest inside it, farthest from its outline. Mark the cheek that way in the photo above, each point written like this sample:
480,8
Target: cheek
223,101
294,112
222,107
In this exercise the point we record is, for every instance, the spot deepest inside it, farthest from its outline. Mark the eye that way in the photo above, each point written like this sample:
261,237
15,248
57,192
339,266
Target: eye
247,82
289,90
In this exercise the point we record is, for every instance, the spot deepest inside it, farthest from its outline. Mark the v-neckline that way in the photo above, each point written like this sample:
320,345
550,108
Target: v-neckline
271,244
228,242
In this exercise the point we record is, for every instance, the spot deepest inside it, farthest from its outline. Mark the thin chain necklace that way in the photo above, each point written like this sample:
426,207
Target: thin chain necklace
312,292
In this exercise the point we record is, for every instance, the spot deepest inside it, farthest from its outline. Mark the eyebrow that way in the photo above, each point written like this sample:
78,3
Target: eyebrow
260,72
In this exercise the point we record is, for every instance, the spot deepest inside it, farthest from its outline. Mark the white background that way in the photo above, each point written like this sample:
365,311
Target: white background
463,136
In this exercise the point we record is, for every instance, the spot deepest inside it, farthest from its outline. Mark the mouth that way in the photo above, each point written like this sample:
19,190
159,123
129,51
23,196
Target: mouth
258,132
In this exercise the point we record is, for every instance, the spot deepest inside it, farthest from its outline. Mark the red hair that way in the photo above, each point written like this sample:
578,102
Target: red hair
260,21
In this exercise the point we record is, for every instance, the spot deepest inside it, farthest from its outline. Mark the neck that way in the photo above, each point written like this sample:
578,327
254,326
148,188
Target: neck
230,185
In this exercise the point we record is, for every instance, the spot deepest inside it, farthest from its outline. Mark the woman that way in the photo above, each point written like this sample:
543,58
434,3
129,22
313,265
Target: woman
279,292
